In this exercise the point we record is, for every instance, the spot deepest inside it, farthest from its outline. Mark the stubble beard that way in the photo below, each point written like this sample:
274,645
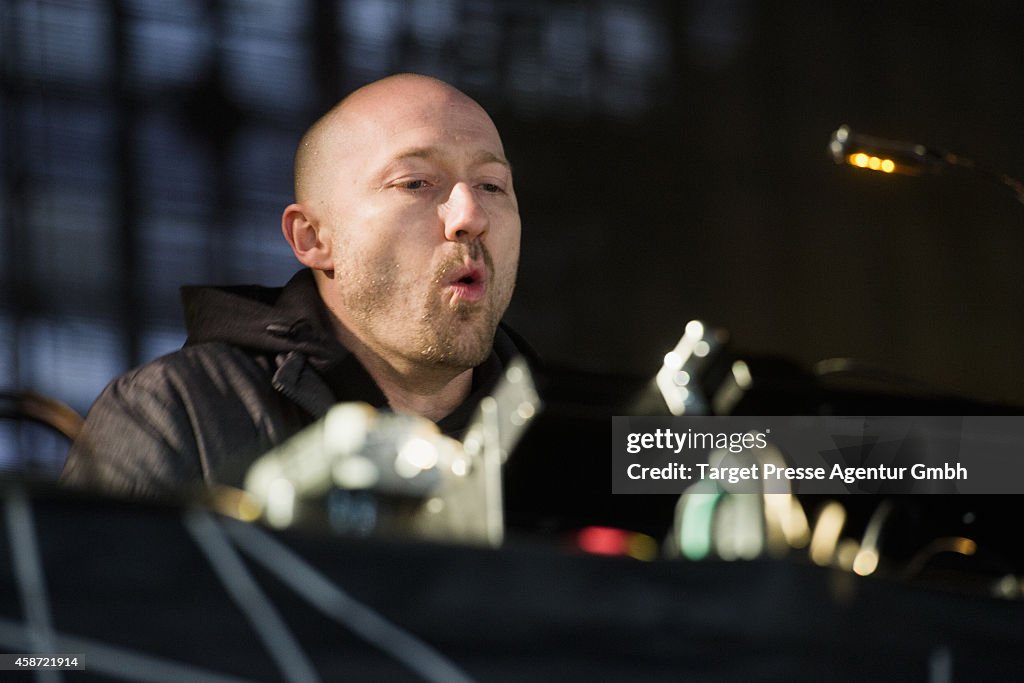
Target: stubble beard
458,335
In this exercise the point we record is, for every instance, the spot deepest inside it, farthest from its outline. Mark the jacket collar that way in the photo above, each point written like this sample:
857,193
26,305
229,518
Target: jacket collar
268,319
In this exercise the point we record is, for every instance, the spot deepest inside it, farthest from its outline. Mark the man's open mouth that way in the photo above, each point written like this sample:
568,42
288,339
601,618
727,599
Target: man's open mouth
469,284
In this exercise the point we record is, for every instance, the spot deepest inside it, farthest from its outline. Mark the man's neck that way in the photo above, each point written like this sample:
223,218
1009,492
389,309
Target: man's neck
433,405
431,392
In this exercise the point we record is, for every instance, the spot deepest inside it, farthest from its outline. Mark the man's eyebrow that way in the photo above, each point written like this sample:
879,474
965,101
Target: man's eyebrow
482,157
486,157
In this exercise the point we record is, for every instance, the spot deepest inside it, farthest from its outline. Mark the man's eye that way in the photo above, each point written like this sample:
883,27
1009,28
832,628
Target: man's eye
490,187
414,184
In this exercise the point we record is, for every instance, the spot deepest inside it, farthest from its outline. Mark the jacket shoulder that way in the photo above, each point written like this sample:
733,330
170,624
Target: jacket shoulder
200,414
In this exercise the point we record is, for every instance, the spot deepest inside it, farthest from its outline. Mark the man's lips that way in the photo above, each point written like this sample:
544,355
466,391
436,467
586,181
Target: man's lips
468,283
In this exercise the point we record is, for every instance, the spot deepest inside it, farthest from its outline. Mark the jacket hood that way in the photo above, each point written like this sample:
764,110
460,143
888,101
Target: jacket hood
269,319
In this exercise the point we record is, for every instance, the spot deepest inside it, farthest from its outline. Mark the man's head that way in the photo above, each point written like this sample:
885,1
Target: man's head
406,212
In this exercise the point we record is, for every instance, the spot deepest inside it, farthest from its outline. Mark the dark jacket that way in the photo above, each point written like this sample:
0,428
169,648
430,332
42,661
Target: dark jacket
258,366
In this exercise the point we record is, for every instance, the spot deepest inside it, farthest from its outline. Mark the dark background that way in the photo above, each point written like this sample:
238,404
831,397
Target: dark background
670,164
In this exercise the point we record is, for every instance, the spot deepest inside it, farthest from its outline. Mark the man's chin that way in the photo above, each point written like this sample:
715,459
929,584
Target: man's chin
461,350
459,358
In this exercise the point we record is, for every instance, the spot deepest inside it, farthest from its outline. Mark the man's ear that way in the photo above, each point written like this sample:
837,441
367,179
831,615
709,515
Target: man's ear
309,240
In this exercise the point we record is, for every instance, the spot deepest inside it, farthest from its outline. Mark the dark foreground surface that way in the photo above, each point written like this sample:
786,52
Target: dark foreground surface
149,592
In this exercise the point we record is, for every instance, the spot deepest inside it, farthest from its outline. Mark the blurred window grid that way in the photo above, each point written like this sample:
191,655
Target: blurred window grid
148,144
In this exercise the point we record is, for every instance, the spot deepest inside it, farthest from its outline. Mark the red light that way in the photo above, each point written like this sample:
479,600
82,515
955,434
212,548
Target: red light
602,540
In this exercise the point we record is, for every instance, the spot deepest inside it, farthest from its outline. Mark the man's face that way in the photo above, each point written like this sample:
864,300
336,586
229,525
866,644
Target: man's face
425,229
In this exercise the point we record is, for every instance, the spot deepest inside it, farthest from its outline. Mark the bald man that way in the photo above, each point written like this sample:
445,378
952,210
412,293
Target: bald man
406,220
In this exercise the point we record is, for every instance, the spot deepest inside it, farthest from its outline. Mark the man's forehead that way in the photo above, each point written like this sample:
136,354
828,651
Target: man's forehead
428,120
408,118
467,137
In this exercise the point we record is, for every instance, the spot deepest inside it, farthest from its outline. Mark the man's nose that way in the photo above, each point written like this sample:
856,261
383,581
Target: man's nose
464,218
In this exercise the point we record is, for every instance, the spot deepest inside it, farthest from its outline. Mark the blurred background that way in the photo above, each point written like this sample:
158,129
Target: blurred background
670,162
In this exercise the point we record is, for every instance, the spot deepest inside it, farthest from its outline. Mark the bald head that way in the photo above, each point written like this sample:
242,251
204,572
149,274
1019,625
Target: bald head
372,107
